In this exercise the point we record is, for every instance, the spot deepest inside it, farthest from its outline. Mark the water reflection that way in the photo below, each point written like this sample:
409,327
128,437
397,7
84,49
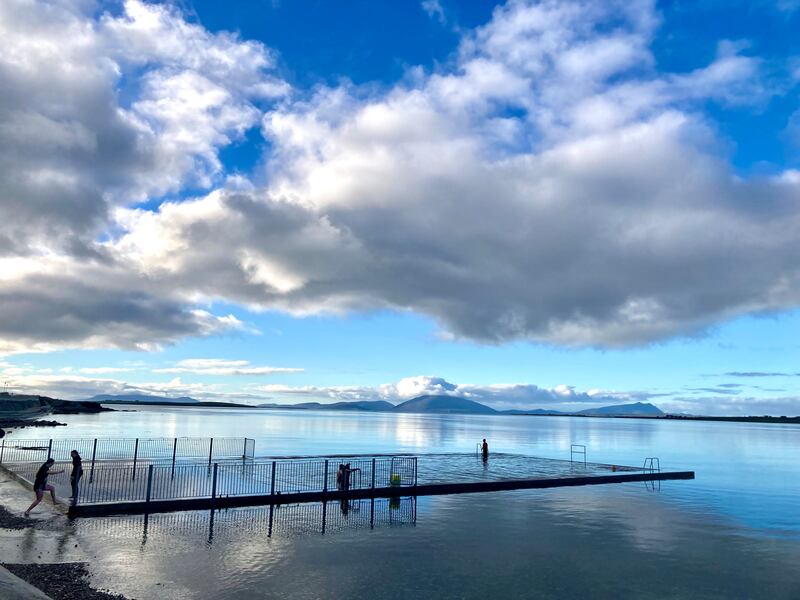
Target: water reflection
746,471
276,520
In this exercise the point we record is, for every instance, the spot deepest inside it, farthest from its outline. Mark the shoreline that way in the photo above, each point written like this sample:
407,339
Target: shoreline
68,577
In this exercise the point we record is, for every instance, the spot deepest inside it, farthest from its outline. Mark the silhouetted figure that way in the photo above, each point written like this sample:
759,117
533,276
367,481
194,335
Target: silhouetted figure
40,485
343,477
485,450
75,476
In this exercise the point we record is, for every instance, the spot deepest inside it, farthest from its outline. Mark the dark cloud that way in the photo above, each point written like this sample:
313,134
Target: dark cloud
716,390
760,374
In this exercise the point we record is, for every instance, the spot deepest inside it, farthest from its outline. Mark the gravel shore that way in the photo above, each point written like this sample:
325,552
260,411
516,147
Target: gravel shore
11,521
61,581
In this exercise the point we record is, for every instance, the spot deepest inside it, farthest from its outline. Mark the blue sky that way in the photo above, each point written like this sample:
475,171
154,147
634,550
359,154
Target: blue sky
558,204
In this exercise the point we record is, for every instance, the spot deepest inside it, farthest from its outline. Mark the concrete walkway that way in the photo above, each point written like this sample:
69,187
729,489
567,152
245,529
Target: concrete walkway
14,588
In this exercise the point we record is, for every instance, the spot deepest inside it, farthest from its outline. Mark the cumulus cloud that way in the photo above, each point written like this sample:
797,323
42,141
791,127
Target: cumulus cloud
97,112
530,193
548,184
218,366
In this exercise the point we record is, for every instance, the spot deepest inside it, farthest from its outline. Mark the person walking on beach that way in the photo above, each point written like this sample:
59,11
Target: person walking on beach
40,485
75,477
485,450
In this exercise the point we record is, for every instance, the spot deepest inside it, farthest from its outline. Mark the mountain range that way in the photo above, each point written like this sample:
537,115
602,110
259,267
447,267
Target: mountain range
439,404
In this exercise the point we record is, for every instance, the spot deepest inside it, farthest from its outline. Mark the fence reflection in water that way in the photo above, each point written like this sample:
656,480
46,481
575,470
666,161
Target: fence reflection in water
274,520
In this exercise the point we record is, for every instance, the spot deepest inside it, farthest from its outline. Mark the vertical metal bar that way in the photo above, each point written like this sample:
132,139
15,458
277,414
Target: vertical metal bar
149,483
214,485
2,450
372,511
135,456
244,450
272,482
325,484
324,514
415,471
174,451
373,474
94,453
49,448
210,450
269,531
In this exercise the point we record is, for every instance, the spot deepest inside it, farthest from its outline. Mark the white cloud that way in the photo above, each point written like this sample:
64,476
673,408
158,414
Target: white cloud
99,110
433,8
217,366
549,184
104,370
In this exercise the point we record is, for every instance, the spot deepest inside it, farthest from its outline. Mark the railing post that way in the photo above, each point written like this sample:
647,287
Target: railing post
415,471
325,484
373,474
94,453
174,451
214,485
49,448
210,450
149,483
135,456
2,450
272,480
244,449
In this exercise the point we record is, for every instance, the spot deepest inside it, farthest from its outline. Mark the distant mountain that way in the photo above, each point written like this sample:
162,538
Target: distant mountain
363,405
444,404
420,404
534,411
141,399
637,409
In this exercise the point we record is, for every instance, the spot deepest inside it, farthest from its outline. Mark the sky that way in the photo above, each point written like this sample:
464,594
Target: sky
558,204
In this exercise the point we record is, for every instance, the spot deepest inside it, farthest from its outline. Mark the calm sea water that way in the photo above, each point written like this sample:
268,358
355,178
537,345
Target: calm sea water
734,532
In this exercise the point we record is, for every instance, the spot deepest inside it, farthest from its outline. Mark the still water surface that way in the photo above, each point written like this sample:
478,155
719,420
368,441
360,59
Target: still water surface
734,532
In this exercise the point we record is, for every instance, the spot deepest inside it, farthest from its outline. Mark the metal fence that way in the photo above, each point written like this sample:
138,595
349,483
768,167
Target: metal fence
117,482
20,451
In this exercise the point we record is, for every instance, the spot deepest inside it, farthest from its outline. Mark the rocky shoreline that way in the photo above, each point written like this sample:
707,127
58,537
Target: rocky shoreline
9,424
62,581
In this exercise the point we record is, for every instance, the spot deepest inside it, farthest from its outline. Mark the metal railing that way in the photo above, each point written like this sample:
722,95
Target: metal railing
20,451
150,482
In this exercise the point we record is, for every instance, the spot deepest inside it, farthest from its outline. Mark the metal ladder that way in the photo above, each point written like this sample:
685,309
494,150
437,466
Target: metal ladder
578,449
652,464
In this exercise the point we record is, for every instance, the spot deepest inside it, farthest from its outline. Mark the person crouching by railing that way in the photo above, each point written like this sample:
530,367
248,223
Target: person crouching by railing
75,477
40,485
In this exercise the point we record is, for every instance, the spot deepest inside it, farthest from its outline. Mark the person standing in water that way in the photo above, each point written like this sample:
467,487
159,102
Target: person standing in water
75,477
485,450
40,485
